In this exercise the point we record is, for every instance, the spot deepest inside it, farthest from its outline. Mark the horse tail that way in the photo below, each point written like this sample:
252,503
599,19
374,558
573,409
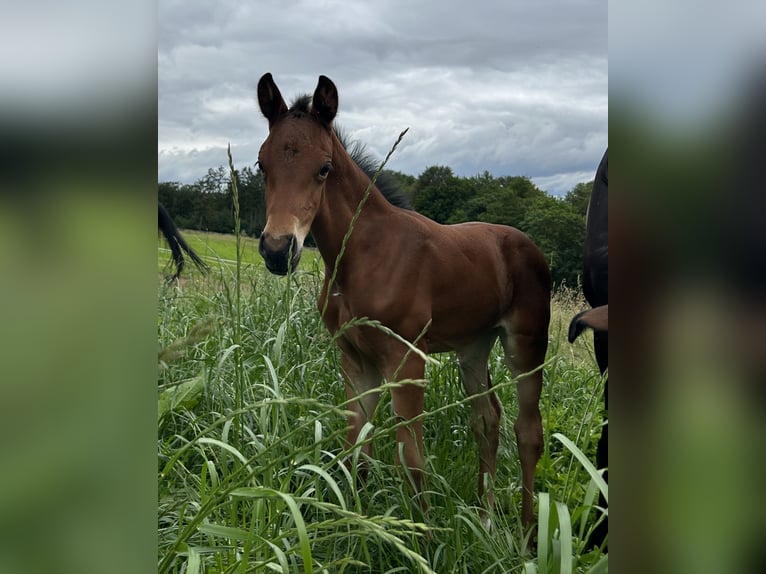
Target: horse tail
596,318
177,243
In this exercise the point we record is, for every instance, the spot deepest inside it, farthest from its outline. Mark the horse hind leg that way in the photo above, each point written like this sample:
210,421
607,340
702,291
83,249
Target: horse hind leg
525,352
485,410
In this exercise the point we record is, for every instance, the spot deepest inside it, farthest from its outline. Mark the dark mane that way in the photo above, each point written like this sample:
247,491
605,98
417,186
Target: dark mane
386,183
301,105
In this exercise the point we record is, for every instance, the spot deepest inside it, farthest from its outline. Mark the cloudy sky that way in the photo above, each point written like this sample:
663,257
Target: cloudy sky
514,87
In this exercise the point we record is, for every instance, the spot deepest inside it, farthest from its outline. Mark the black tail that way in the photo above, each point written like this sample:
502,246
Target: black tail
596,318
177,243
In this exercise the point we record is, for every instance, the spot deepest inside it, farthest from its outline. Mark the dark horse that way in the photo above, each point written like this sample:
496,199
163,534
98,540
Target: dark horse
438,287
596,290
177,243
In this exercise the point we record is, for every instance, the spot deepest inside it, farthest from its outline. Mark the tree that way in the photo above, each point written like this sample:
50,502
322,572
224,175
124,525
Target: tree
579,196
406,182
506,199
167,193
440,195
252,208
215,180
559,231
181,202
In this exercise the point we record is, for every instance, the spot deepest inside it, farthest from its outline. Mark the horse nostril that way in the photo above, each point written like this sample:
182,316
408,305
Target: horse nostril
261,246
266,245
270,244
279,252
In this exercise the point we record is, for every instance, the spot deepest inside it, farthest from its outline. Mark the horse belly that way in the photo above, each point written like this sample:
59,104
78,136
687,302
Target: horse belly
460,316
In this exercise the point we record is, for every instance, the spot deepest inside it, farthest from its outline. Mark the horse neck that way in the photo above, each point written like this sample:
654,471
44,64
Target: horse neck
344,191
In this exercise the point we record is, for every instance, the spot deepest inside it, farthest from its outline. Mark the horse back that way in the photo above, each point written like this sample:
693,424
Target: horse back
460,279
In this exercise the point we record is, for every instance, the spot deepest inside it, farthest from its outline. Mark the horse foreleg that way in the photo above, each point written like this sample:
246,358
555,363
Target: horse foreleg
361,380
408,399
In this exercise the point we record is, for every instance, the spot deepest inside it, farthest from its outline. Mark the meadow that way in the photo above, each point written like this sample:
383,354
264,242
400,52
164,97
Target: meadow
251,422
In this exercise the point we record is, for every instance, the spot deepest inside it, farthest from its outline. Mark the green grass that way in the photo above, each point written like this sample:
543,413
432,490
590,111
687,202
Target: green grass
262,488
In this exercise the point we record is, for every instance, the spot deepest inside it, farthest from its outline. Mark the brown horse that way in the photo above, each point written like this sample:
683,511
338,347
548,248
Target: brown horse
440,287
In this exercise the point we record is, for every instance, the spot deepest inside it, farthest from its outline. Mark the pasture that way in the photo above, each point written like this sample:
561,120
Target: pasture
251,421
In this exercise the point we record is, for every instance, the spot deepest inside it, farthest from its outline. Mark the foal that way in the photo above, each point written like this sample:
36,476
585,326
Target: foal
463,286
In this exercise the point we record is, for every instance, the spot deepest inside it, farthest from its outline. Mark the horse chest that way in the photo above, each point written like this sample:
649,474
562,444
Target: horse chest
359,324
335,310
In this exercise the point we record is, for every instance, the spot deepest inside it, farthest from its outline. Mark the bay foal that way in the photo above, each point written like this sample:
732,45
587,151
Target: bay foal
464,285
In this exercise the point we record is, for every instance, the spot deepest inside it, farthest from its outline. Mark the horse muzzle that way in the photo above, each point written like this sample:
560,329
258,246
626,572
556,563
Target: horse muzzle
280,252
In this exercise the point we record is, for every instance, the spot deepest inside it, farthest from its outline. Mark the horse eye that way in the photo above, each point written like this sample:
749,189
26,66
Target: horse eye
325,170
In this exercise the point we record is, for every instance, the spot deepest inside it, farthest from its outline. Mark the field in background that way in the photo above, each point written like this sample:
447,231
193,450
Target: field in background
250,441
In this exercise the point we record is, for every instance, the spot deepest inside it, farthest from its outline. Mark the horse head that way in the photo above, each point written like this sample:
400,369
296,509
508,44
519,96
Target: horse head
296,160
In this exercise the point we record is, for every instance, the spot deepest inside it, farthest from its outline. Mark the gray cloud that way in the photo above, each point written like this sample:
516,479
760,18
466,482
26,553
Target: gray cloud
513,88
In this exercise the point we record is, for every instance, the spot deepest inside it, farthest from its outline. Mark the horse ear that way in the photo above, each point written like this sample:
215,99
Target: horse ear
270,99
324,104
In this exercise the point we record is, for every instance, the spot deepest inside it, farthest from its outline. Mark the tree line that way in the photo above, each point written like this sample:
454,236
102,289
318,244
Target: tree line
556,225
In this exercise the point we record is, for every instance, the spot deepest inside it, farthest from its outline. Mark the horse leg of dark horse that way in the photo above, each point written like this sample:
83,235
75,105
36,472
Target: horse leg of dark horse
600,345
485,409
524,353
361,378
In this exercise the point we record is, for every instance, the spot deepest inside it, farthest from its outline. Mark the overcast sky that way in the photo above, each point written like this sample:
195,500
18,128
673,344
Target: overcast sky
513,87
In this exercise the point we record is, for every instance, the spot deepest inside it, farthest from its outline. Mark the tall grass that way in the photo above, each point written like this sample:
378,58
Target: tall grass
251,420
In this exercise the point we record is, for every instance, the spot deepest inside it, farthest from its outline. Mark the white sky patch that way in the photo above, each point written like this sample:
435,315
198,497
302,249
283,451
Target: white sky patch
563,182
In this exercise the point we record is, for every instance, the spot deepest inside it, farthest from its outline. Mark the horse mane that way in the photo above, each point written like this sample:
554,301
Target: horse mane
386,183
